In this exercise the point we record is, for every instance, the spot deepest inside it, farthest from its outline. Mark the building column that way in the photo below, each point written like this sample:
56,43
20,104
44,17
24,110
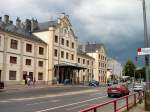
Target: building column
35,61
51,55
21,60
5,59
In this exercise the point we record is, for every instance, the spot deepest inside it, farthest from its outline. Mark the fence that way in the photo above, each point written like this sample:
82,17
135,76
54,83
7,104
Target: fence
117,105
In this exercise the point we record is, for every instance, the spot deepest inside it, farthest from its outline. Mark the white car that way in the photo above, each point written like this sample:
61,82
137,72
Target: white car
138,87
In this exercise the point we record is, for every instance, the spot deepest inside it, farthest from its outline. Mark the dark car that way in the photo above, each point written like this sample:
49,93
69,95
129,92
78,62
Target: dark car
117,90
1,85
94,83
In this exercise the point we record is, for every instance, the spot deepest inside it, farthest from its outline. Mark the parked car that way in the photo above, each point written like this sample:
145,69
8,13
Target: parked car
117,90
138,87
94,83
1,85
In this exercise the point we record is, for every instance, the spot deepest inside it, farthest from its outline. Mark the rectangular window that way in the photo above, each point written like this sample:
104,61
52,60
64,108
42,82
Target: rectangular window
0,40
99,56
56,39
62,54
83,61
67,55
72,57
55,52
62,41
28,61
12,75
40,63
78,60
28,47
87,62
13,44
67,43
72,45
99,64
41,50
40,76
13,59
92,63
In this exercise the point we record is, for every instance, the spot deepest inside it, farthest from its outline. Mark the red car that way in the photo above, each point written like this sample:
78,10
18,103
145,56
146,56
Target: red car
117,90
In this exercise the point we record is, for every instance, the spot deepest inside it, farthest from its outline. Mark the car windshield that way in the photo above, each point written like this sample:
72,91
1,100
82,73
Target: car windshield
138,85
115,86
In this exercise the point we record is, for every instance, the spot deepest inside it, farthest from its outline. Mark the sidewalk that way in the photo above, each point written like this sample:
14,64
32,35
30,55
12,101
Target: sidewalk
26,87
138,108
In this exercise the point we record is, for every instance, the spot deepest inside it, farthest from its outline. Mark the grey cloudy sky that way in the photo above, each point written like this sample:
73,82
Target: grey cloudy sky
116,23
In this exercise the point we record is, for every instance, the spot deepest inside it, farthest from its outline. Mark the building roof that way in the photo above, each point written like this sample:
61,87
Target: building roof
45,25
90,48
80,53
10,28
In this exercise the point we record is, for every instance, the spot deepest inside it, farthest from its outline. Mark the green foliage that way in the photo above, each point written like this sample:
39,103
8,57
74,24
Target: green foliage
140,74
129,69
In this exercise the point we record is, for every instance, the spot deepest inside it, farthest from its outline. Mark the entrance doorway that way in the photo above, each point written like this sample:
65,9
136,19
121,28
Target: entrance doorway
24,75
31,76
0,76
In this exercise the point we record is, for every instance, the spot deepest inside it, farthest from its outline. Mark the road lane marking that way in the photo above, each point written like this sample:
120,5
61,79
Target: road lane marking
77,107
49,96
35,103
53,101
48,109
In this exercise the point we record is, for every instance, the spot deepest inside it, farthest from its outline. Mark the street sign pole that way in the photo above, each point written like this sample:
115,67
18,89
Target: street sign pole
147,91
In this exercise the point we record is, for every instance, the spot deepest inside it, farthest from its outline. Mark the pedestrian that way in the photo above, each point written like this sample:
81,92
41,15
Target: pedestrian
28,81
34,80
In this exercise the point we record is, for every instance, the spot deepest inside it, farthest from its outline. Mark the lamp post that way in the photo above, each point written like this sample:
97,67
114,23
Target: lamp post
147,91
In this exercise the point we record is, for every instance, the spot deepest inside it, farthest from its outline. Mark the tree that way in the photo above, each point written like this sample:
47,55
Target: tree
129,69
140,74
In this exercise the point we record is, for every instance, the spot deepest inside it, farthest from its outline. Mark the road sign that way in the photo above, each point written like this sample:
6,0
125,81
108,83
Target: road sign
143,51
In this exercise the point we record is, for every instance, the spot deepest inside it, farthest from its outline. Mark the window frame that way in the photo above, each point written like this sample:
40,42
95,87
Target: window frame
28,47
41,50
13,73
28,62
13,44
13,60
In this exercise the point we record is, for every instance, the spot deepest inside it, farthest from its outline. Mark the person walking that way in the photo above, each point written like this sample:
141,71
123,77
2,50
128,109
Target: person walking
34,80
28,81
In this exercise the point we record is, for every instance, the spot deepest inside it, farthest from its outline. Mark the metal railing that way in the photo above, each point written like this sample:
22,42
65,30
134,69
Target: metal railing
116,105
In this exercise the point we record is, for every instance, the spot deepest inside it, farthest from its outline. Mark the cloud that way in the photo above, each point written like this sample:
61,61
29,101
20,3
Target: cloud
116,23
108,19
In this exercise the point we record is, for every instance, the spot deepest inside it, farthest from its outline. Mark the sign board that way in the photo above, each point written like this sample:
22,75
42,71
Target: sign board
143,51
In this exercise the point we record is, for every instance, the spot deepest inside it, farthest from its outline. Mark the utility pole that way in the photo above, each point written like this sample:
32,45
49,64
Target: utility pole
147,91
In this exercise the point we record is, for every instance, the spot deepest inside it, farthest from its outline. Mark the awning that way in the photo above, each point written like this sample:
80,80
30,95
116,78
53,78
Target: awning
69,65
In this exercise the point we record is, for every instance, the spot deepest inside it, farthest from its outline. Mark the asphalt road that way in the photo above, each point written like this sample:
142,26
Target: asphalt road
59,99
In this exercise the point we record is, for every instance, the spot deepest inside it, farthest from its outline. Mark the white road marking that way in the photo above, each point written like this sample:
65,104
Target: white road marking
49,96
48,109
77,107
94,94
54,101
35,103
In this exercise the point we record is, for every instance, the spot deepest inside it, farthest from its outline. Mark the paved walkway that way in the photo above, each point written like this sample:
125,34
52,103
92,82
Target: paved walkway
138,108
26,87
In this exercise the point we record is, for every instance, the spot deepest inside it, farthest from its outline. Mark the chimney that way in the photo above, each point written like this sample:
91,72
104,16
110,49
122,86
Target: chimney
28,25
34,25
11,22
22,26
18,22
6,19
